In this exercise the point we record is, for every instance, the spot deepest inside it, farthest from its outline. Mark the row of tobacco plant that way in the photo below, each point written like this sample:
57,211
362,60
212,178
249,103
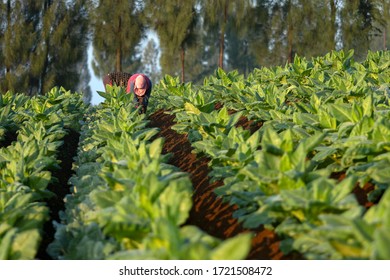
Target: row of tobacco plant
31,134
126,201
325,132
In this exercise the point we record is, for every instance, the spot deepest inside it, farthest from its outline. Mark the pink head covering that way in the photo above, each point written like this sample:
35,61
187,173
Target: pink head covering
140,85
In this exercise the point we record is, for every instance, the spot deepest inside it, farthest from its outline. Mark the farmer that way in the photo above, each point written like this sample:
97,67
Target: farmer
137,84
141,86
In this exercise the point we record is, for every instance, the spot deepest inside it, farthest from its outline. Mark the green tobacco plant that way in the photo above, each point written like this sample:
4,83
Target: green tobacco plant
351,235
10,105
127,202
21,220
166,241
230,152
281,164
169,93
29,165
227,87
182,99
26,167
200,125
322,117
115,97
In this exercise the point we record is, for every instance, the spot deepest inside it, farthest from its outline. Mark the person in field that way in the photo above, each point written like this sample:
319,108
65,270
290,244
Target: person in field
137,84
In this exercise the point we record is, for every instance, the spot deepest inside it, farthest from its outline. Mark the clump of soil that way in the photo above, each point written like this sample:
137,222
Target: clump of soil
209,212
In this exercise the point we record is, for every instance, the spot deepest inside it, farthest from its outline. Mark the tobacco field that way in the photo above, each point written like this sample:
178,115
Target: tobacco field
289,162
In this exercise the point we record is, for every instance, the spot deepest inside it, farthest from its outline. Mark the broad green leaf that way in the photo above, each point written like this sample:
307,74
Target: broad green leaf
155,148
235,248
6,244
285,163
382,244
176,210
326,119
223,115
25,245
342,112
343,188
357,112
106,199
378,213
363,127
368,106
254,140
310,143
347,250
191,109
233,119
306,119
270,137
381,131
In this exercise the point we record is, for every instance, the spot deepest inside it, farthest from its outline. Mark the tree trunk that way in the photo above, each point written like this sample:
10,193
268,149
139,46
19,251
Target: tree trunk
182,57
118,64
290,35
44,70
222,37
221,48
333,23
8,67
290,42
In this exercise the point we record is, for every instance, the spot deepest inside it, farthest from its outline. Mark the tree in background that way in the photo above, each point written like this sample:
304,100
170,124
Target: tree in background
84,77
17,32
349,28
303,27
43,45
247,43
117,29
149,60
357,23
62,44
3,19
250,34
268,23
379,35
314,30
173,21
220,13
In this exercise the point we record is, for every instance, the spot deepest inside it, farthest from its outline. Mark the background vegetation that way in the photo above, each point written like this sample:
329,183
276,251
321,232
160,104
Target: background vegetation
44,43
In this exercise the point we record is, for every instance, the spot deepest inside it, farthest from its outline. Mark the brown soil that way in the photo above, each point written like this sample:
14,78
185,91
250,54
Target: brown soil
361,193
209,213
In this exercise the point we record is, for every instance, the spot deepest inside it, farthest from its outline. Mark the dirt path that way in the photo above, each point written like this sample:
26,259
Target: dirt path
208,212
